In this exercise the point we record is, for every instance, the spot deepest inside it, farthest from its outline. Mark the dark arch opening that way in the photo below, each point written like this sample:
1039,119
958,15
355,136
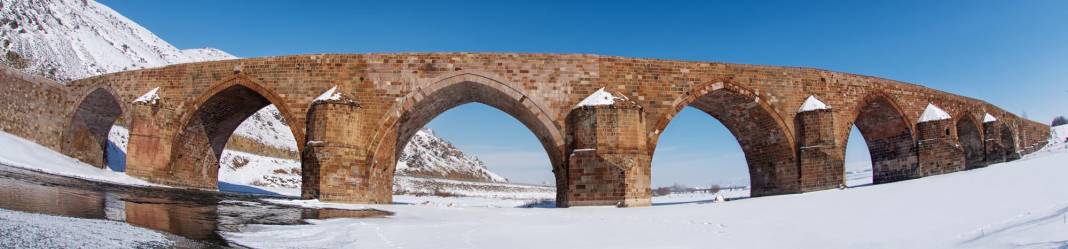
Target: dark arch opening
769,153
199,145
452,95
1008,143
890,140
696,158
86,136
970,137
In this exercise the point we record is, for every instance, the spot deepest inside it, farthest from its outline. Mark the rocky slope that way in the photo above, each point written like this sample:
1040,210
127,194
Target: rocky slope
72,39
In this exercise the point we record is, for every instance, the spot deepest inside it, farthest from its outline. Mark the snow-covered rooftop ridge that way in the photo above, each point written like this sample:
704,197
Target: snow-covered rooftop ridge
812,104
600,97
987,118
151,97
933,113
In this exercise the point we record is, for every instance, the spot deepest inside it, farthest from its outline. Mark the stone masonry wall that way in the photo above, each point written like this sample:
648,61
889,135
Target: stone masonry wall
32,107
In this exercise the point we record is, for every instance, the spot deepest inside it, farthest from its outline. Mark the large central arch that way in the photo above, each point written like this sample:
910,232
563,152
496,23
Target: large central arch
208,124
766,141
448,91
86,135
890,138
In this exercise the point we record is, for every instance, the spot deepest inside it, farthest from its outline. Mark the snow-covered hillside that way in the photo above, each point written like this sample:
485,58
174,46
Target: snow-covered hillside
428,155
72,39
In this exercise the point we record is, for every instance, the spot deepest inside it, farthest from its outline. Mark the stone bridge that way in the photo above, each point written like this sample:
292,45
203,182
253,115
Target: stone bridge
600,154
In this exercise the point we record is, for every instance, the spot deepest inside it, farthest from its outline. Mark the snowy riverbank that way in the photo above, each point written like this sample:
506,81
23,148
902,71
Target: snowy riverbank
1008,205
28,230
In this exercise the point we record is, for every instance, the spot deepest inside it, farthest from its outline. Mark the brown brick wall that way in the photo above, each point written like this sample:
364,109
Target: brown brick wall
608,162
32,107
939,151
821,163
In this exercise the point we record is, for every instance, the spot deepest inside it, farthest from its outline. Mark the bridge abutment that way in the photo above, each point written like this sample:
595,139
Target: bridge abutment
609,163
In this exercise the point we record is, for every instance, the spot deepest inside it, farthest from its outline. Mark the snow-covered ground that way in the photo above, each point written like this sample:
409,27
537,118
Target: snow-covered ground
28,230
1020,204
237,168
417,186
26,154
680,198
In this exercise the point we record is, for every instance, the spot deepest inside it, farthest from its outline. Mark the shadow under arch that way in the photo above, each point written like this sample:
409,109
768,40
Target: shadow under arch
767,143
86,135
890,138
970,136
208,122
445,92
1009,145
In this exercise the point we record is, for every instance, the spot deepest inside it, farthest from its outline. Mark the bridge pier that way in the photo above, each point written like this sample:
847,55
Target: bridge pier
609,163
821,160
939,150
148,151
334,161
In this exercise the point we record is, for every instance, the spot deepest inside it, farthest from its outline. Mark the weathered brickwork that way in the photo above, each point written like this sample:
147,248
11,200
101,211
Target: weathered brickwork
940,152
33,107
176,140
821,163
890,139
970,136
608,159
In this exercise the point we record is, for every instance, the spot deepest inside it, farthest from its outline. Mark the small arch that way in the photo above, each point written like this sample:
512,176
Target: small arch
970,136
767,143
445,92
86,135
890,138
1008,143
210,120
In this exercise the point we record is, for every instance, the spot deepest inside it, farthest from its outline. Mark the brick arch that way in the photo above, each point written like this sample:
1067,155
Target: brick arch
890,136
86,133
767,143
445,92
970,136
1008,141
208,122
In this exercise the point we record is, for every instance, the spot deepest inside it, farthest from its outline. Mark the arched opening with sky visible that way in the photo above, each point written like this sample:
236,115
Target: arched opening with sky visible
761,134
858,164
200,143
889,138
695,155
497,149
452,92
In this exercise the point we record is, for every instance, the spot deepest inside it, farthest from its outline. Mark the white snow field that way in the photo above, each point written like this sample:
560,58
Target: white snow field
1021,204
26,154
28,230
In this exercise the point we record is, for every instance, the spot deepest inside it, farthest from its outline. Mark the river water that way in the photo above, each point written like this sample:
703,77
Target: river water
190,218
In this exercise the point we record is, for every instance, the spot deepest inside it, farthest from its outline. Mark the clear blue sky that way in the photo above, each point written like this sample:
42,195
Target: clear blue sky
1011,53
